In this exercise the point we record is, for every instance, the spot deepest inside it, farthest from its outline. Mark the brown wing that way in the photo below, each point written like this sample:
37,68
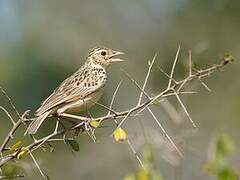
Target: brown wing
78,86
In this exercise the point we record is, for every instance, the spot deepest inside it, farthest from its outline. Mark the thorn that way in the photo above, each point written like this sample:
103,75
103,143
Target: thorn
173,68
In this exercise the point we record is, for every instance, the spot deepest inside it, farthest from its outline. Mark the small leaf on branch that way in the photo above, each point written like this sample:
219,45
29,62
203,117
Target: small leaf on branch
194,65
95,124
22,153
155,102
73,144
44,149
149,63
120,135
15,146
51,149
228,59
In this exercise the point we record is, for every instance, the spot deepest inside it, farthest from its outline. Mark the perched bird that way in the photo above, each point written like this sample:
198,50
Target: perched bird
80,91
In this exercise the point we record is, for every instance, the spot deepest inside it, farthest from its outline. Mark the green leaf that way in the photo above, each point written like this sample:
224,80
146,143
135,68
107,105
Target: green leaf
218,165
73,144
156,102
213,167
148,154
227,174
95,124
224,146
15,146
9,170
194,65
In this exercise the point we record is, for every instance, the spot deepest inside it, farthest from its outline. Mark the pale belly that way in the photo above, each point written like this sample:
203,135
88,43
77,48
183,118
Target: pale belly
82,104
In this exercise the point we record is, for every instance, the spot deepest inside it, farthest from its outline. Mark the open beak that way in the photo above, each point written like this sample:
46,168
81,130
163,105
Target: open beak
114,59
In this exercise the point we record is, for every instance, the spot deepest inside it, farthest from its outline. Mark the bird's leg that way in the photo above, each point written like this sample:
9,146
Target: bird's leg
89,130
73,116
87,126
78,129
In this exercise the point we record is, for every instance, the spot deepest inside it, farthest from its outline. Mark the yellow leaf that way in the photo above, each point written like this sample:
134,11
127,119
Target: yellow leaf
129,177
15,146
21,154
120,135
142,174
95,124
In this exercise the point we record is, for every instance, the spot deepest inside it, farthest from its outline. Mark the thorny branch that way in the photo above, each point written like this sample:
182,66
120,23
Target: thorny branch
174,88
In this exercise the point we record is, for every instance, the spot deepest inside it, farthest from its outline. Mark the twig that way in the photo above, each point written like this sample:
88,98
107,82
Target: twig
11,177
105,107
185,110
190,62
8,114
205,85
37,165
164,132
135,154
173,89
113,97
173,68
171,110
146,79
135,83
10,101
166,74
154,117
12,131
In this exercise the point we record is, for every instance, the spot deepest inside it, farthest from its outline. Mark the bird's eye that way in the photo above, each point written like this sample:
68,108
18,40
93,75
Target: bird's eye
103,53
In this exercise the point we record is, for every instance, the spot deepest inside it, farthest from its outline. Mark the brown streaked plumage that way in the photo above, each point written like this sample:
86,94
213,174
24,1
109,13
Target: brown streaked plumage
79,91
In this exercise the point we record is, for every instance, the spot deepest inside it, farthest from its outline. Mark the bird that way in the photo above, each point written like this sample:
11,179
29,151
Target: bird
81,90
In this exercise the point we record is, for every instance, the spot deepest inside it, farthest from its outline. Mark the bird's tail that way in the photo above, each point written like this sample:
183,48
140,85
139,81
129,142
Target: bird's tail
36,123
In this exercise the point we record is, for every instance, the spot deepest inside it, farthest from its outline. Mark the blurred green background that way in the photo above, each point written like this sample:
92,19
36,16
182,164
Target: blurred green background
42,42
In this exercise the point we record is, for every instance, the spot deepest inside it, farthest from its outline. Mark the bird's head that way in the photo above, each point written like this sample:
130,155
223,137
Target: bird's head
104,56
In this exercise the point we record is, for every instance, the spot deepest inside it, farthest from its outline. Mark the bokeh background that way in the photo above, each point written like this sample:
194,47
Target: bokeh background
42,42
